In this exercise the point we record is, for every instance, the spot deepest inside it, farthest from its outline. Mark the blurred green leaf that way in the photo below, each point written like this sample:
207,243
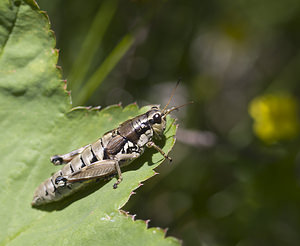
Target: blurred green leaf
104,69
37,122
91,44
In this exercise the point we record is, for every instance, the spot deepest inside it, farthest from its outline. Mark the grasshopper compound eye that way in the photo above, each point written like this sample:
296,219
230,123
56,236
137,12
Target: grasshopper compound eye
156,119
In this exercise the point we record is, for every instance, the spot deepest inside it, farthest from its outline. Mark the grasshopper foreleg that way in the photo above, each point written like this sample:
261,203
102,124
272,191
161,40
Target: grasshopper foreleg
65,158
153,145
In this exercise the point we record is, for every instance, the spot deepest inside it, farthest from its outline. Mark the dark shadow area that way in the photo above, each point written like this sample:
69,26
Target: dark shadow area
86,190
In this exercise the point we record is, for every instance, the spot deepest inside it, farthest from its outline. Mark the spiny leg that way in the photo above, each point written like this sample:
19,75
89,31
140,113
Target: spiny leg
153,145
123,157
65,158
120,178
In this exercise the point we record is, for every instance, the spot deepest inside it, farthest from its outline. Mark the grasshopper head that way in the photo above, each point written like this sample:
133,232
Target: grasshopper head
157,121
157,117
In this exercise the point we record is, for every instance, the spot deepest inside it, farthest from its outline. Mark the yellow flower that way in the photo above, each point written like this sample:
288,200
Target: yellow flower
275,117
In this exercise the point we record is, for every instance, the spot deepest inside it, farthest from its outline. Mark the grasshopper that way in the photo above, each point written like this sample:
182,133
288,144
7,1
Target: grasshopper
103,158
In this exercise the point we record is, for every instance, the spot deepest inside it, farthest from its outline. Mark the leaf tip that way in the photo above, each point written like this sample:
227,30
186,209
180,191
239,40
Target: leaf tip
132,216
147,223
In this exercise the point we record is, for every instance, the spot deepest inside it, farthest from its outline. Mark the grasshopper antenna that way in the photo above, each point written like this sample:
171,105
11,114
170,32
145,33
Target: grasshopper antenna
172,94
175,108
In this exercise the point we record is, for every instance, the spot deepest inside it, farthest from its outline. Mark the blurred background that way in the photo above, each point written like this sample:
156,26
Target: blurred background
235,175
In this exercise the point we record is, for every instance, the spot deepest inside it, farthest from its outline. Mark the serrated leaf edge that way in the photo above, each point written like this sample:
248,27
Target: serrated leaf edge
34,4
161,230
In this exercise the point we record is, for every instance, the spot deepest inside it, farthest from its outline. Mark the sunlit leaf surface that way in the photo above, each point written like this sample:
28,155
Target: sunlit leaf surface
37,122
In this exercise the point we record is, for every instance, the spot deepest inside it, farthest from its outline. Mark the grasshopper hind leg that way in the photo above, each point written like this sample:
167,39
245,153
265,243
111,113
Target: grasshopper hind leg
98,170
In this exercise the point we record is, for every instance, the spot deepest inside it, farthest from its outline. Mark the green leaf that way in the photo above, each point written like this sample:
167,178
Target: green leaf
104,69
92,43
37,121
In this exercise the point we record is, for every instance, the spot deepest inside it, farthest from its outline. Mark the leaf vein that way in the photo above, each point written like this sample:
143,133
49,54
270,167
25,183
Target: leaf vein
10,31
